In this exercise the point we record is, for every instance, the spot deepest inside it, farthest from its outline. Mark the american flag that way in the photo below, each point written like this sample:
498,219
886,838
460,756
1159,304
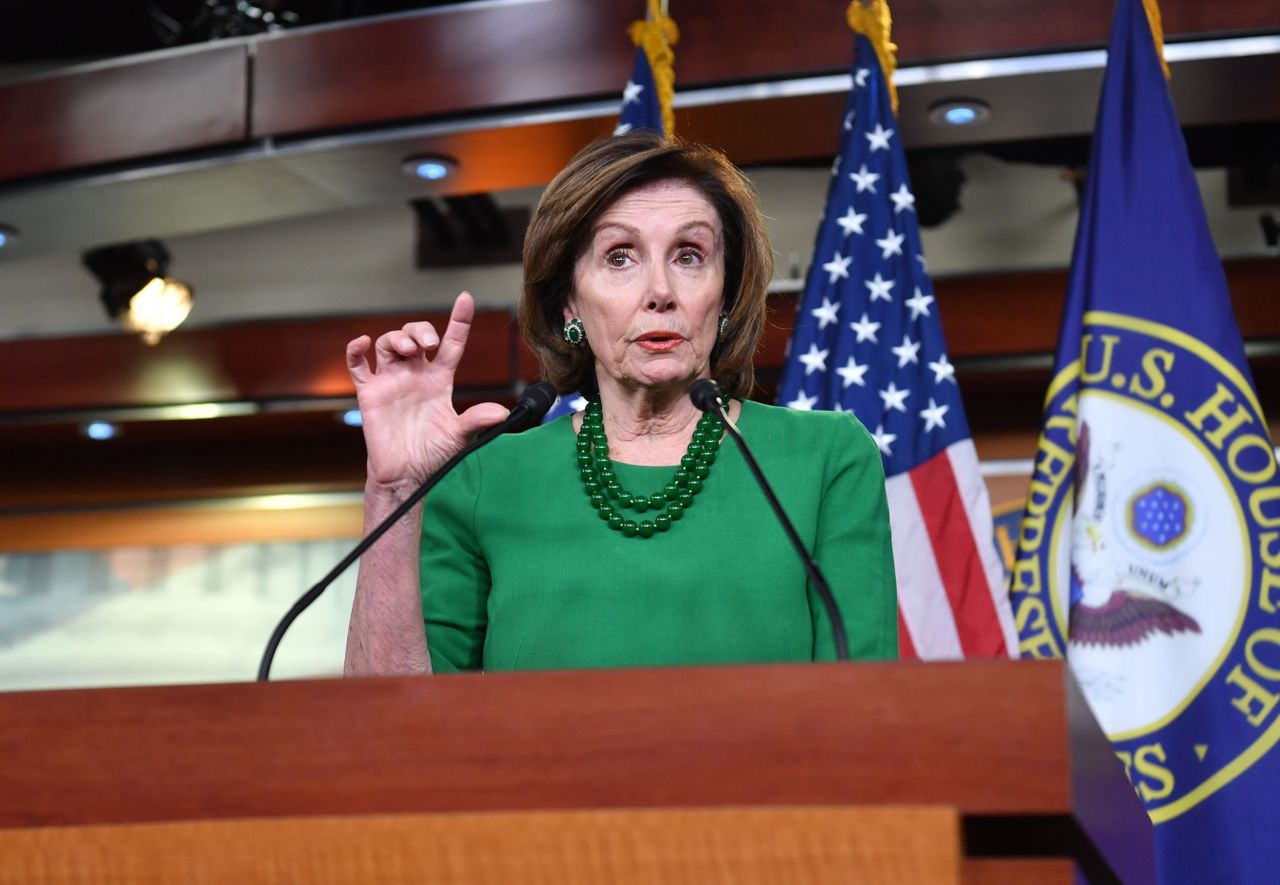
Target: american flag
868,340
641,109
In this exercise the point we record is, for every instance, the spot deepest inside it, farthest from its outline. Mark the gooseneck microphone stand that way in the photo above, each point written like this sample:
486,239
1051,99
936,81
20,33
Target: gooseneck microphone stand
532,404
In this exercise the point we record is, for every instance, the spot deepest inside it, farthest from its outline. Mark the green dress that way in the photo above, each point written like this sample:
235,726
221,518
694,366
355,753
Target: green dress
520,573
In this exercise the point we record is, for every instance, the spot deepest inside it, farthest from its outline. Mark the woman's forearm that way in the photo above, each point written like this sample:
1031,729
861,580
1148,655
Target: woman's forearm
386,636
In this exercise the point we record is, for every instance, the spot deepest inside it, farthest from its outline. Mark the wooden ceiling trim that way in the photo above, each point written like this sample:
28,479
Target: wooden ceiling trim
125,109
989,316
472,58
254,362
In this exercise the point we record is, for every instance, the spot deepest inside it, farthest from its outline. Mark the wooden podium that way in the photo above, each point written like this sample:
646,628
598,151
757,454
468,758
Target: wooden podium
998,763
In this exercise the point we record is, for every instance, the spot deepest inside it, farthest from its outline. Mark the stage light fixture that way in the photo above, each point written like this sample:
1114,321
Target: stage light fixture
429,167
136,288
955,112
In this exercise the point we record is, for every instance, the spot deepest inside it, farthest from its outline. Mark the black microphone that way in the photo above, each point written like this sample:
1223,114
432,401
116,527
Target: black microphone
533,403
706,395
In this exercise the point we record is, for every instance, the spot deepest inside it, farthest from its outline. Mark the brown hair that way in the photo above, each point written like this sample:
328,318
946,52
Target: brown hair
561,228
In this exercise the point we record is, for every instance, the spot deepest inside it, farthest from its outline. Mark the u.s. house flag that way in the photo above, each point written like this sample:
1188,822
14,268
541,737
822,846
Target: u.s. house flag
644,106
868,339
1149,552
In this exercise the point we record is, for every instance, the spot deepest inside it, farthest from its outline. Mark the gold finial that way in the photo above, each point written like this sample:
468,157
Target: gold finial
872,20
1157,33
656,35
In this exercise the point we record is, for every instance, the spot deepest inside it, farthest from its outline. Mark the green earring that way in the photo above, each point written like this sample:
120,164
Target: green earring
574,333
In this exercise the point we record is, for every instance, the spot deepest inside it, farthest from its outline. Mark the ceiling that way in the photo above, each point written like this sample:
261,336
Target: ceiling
317,224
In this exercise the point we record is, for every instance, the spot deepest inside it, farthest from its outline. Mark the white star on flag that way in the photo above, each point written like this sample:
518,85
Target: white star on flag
943,370
891,244
894,398
866,181
851,222
835,166
933,415
919,304
838,268
865,329
907,352
884,440
879,139
874,325
815,360
621,129
803,403
827,313
852,373
879,288
631,92
903,199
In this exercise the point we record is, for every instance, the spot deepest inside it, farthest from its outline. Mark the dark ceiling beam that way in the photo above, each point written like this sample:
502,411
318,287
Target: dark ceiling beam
124,110
469,59
989,318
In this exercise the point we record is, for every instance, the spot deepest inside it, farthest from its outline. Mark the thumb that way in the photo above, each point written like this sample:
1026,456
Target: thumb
481,416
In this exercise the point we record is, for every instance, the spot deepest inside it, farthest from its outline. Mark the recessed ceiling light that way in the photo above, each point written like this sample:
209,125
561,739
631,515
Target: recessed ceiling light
429,167
957,112
101,430
7,236
352,418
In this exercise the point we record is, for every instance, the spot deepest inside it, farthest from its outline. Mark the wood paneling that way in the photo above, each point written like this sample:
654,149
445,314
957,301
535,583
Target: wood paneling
1022,761
124,110
208,523
1009,871
49,465
693,846
447,61
443,61
253,361
621,738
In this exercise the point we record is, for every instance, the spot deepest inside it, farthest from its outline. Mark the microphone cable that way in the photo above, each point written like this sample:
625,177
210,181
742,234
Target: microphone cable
533,403
706,395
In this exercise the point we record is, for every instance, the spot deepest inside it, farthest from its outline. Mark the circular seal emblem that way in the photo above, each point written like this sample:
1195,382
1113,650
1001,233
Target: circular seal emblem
1149,556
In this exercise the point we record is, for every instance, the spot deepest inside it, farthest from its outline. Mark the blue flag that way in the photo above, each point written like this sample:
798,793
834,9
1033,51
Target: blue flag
868,340
1149,554
641,109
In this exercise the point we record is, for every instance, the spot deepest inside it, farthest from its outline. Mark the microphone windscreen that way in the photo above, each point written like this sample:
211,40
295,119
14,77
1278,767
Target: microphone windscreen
705,394
538,397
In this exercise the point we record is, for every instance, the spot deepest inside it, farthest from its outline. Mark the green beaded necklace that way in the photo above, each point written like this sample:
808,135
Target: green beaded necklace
607,494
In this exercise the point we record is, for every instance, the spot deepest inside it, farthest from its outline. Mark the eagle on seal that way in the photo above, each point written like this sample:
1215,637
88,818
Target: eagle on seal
1126,617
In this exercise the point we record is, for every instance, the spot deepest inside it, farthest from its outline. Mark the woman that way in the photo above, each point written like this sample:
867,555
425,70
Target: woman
638,540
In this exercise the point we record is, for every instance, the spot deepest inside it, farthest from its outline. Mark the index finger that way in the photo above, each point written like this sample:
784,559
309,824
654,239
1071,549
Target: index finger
454,340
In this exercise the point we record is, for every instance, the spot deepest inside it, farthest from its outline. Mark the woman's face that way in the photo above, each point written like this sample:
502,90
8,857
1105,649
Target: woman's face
649,287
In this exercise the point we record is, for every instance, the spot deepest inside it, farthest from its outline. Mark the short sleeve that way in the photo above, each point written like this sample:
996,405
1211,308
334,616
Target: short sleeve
454,574
854,549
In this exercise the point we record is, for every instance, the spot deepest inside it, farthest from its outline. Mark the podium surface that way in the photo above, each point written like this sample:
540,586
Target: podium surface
1009,745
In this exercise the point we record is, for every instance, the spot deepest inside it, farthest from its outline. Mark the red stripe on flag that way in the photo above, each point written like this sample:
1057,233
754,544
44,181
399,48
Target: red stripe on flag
963,576
906,648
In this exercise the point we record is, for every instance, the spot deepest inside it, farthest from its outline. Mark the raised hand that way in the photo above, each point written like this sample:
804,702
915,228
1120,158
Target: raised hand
410,425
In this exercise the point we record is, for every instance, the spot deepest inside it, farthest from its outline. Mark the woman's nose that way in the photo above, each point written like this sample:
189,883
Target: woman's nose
661,292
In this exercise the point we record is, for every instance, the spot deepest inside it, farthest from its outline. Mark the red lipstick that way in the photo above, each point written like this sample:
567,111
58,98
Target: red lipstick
660,341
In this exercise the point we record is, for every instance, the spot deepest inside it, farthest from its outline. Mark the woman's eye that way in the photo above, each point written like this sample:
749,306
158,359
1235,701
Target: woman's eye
689,257
617,258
